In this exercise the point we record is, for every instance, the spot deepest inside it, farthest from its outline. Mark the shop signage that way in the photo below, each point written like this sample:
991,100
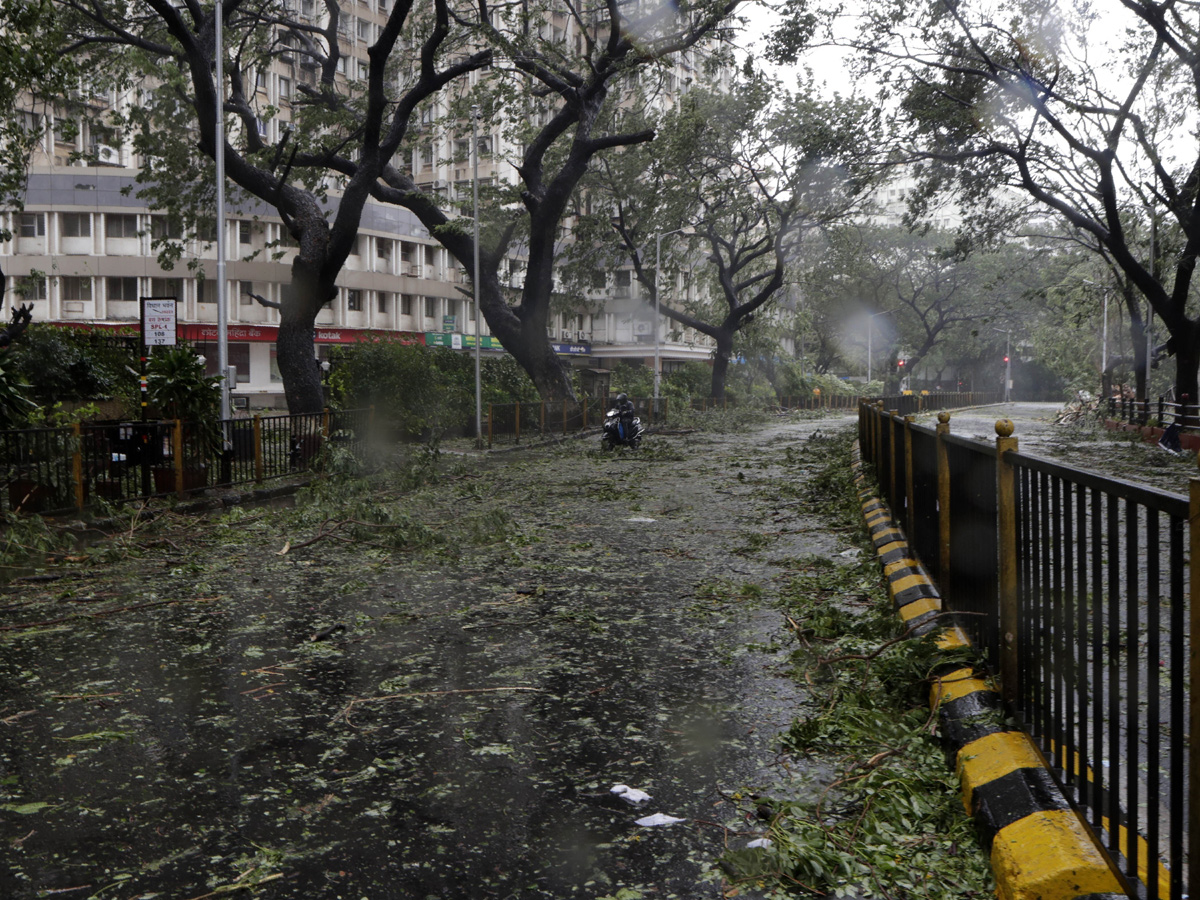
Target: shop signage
573,349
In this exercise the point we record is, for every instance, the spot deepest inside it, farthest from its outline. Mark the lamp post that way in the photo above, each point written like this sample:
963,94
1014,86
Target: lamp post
657,270
475,114
870,331
219,159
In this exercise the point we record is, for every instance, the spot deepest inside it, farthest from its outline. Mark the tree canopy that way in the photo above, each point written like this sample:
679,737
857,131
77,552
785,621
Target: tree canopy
1087,112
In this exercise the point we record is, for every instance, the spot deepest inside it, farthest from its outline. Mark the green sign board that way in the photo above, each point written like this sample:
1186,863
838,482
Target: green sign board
460,341
449,323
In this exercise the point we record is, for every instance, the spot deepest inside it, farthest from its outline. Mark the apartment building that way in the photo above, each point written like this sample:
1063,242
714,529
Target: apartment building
81,251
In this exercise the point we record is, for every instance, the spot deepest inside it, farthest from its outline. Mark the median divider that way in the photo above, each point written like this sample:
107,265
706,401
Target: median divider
1039,847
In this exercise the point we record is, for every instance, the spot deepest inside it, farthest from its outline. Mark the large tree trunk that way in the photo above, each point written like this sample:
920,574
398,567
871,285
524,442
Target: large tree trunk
296,347
525,339
1187,365
721,363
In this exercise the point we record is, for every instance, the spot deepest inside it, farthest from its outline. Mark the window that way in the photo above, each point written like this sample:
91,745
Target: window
165,228
261,126
75,288
354,301
31,225
354,248
76,225
32,289
122,289
383,249
260,80
276,376
121,225
406,305
206,291
166,287
381,301
364,30
285,88
431,305
245,289
243,231
239,358
623,284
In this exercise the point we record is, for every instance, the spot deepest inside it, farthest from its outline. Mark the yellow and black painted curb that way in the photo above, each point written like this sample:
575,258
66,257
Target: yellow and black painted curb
1039,847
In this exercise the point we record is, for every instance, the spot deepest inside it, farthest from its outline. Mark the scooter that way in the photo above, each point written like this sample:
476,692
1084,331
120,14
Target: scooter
621,431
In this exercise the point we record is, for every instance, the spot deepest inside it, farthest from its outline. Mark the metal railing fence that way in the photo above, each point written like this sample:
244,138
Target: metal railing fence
1161,412
49,470
1083,589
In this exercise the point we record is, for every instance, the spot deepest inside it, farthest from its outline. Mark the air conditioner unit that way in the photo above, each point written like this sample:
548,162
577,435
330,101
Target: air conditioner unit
583,335
566,335
440,185
415,271
641,327
107,156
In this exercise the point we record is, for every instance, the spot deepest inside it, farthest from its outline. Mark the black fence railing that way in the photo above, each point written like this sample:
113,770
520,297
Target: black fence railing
1103,575
1147,413
47,470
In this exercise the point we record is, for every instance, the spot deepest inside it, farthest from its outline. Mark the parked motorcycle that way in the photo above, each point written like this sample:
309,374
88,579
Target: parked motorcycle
621,430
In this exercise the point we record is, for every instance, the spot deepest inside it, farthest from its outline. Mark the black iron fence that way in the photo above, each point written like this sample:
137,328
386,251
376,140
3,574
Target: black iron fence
1084,588
1160,412
49,470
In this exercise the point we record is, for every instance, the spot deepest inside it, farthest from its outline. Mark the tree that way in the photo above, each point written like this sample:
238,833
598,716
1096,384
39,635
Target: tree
31,71
567,109
350,126
1014,99
748,173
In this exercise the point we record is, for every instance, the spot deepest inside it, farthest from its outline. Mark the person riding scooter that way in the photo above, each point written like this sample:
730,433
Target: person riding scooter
626,410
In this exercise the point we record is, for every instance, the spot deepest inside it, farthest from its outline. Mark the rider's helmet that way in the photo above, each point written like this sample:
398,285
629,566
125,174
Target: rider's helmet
621,398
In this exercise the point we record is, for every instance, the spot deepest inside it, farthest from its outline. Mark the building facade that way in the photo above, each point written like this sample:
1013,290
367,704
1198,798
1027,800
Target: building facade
82,250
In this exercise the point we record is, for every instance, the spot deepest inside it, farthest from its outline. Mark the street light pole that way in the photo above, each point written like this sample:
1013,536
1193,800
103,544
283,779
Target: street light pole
475,276
219,159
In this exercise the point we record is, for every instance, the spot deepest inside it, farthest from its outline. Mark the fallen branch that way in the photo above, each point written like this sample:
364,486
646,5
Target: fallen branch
239,885
102,612
345,713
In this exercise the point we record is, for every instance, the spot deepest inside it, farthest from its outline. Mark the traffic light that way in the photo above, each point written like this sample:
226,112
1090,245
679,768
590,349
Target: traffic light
900,364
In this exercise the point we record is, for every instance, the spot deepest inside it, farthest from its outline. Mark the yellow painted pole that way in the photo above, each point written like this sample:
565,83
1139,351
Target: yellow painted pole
1006,507
909,515
893,415
943,481
77,465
